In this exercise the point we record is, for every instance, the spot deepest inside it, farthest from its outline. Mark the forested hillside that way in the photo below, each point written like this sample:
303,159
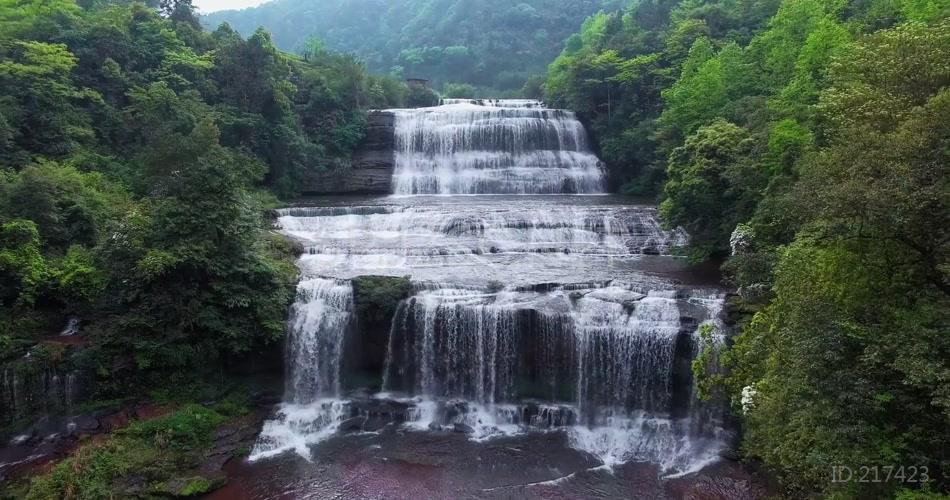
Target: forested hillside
808,143
803,144
491,44
137,157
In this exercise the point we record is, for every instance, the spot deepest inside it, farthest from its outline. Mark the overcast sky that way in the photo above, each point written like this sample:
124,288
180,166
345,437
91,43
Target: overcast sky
213,5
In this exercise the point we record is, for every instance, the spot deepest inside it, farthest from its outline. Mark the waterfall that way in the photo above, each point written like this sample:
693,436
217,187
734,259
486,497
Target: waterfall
476,346
530,313
493,147
319,321
25,390
456,343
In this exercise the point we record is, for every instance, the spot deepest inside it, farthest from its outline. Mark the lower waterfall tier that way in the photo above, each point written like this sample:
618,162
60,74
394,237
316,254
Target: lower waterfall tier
513,316
615,347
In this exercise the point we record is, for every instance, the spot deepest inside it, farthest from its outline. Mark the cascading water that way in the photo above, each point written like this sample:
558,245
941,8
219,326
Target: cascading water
530,313
493,147
319,321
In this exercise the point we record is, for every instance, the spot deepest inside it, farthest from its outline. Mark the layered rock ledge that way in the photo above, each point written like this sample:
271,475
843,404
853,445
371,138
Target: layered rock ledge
371,168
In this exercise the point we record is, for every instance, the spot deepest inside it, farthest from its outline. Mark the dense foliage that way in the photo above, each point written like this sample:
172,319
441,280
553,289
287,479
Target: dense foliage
137,157
491,44
148,459
808,142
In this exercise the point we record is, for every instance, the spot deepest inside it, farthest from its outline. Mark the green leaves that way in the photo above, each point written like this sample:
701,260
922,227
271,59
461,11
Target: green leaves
156,263
40,107
133,149
77,278
713,185
67,206
22,267
827,143
852,355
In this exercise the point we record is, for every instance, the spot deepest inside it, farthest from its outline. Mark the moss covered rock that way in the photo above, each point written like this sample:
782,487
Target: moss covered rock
376,297
191,486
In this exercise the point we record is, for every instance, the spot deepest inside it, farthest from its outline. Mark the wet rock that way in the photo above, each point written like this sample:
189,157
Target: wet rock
723,488
755,293
31,459
21,439
724,480
85,424
354,424
42,429
229,440
382,409
688,323
371,167
375,424
730,454
151,412
463,429
114,421
265,398
690,311
433,426
190,486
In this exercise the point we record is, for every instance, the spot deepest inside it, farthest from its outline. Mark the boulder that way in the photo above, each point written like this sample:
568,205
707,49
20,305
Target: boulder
84,424
190,486
354,424
463,429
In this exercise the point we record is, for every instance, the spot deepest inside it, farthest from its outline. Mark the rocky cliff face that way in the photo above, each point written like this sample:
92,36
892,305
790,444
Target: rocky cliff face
371,169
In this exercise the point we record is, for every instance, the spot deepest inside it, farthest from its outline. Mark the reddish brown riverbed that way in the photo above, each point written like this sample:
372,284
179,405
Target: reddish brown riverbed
422,465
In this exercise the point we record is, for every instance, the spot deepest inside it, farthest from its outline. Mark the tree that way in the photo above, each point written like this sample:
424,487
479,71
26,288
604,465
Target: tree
22,267
180,11
204,287
421,97
714,183
39,111
66,206
849,363
495,46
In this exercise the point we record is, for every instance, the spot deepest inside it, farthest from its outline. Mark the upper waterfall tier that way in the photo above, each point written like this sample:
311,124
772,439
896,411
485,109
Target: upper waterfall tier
497,103
493,147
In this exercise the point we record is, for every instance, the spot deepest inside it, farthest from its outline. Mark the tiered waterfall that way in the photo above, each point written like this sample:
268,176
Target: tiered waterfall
531,312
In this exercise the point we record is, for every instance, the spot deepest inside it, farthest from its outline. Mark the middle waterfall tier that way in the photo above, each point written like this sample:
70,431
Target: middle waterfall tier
518,240
493,147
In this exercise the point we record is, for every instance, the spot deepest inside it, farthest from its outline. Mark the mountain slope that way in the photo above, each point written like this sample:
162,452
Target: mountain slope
487,43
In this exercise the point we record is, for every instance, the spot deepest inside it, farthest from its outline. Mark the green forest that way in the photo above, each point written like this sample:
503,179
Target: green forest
139,157
804,145
491,45
807,143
